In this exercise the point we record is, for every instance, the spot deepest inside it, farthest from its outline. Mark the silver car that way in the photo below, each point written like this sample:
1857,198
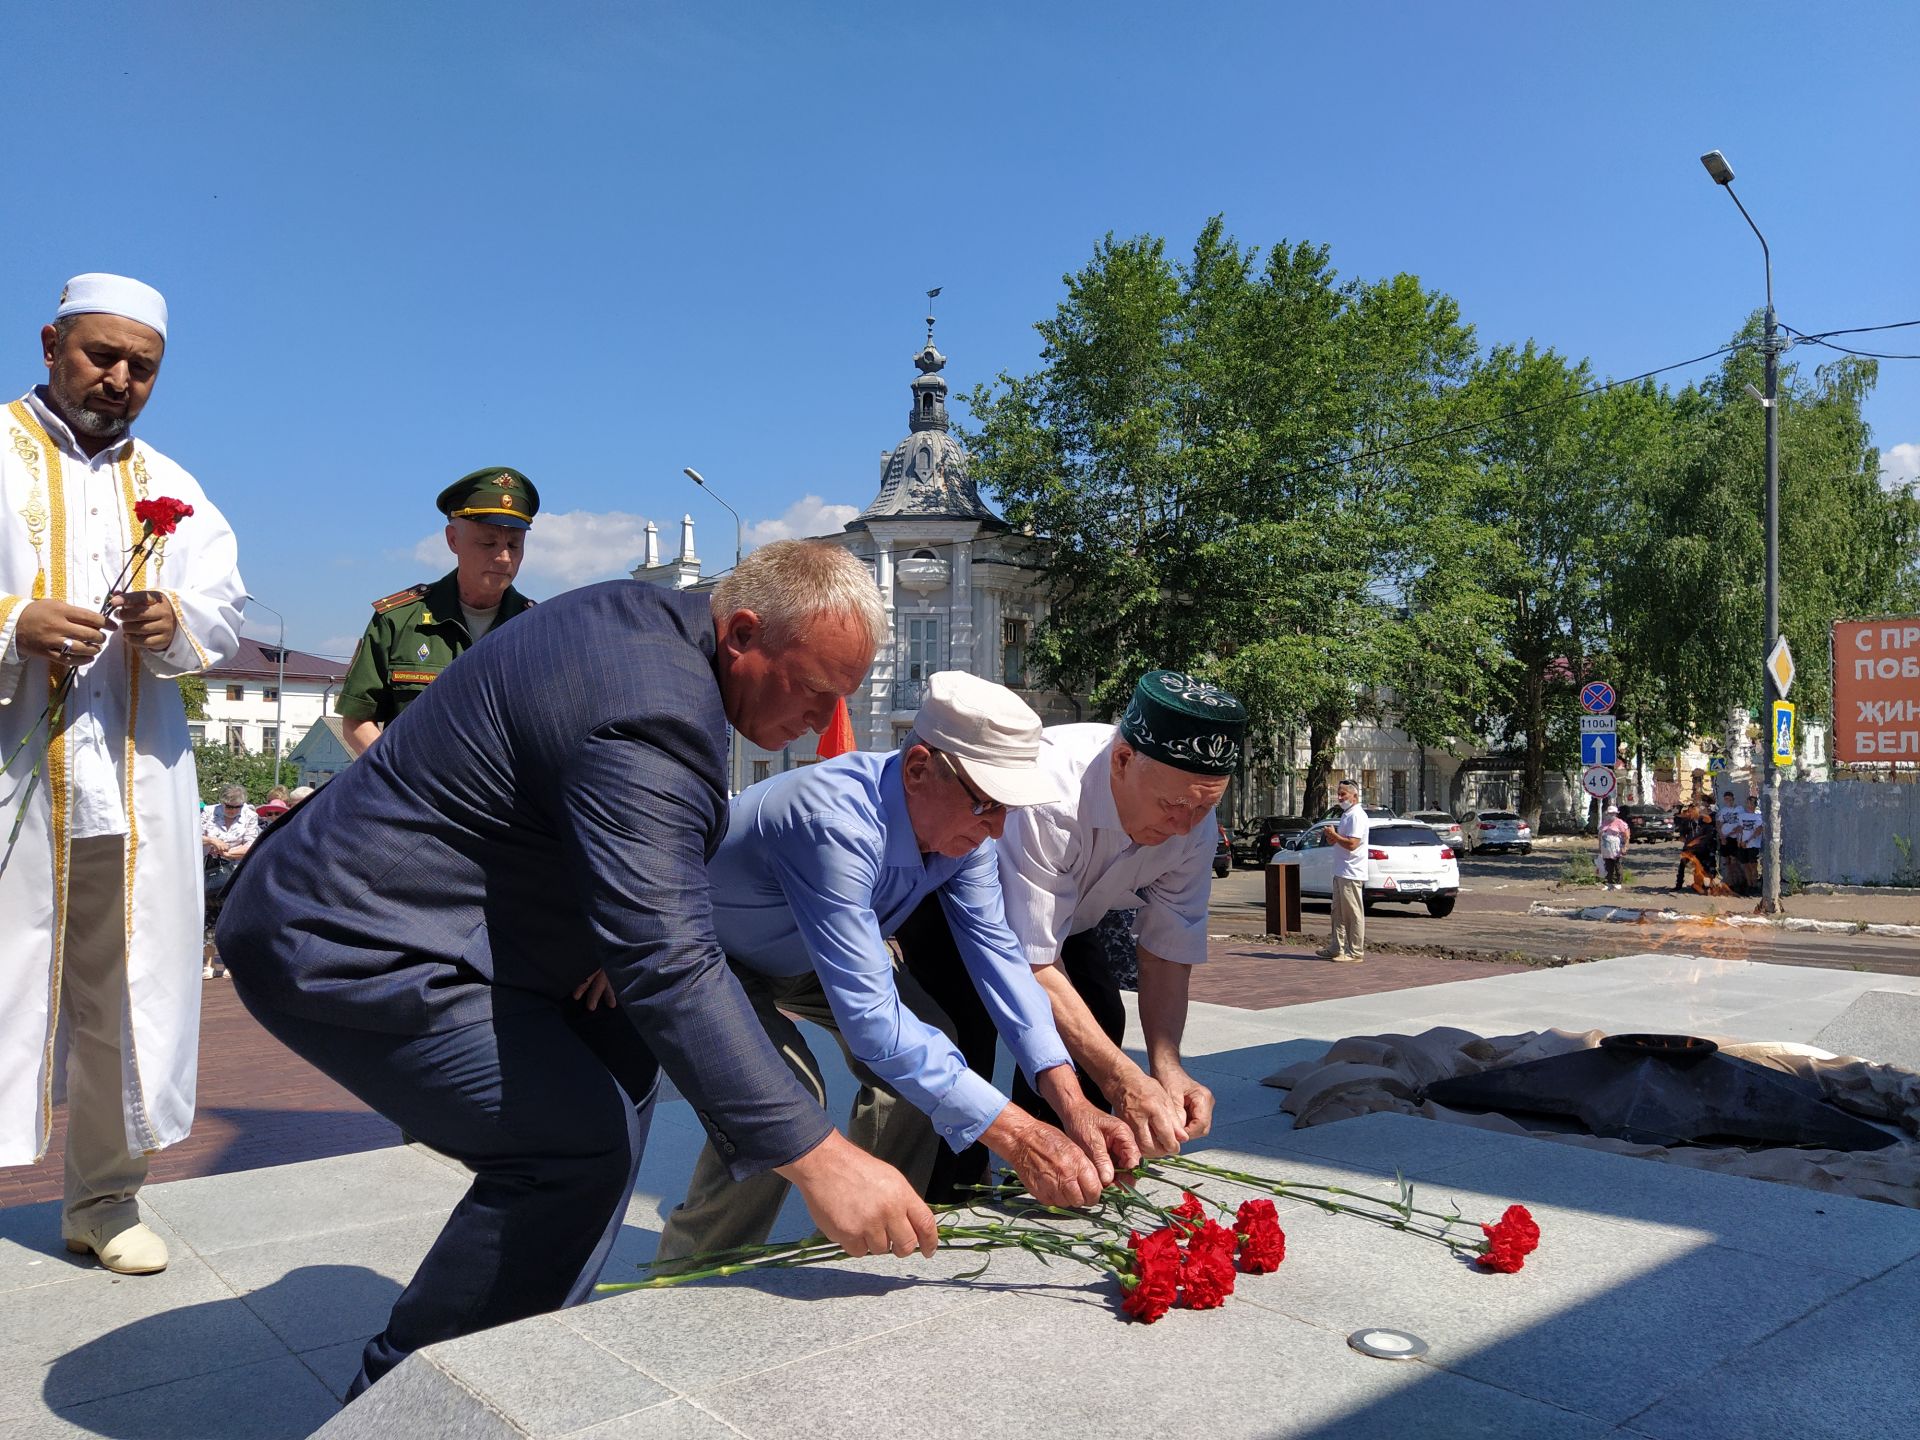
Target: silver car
1444,825
1485,830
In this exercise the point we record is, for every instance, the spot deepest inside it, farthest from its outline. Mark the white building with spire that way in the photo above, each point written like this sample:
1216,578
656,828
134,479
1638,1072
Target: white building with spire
962,589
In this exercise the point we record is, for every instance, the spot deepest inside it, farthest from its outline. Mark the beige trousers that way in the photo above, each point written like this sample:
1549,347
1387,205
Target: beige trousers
1349,935
102,1176
720,1212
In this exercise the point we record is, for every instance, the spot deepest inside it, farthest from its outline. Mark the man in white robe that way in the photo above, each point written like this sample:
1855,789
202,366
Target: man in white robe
100,882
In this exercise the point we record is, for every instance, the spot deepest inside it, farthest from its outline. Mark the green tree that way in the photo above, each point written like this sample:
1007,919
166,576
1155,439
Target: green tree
219,767
193,695
1209,449
1697,566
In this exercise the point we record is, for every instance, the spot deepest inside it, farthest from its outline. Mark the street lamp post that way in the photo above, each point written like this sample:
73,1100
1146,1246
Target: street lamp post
1722,174
279,687
733,741
697,478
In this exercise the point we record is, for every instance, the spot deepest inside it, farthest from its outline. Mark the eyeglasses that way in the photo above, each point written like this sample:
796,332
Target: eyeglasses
981,804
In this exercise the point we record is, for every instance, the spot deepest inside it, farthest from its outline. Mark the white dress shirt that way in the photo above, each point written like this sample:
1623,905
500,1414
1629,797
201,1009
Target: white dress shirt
1064,866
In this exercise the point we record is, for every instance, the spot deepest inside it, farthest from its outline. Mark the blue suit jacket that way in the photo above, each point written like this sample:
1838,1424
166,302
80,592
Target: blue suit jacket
545,809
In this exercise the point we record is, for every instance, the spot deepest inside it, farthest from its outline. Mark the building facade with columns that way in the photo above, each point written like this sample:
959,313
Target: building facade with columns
962,589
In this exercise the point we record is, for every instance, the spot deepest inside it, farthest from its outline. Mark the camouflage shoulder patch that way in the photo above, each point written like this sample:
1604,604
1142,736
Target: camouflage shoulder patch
400,597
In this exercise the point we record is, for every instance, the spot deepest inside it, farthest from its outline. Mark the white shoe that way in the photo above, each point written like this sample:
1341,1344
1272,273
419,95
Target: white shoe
136,1250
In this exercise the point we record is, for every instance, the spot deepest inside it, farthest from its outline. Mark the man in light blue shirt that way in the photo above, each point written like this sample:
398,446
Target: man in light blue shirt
818,868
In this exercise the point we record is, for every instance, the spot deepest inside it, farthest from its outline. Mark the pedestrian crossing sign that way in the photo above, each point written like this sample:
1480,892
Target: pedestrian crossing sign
1783,732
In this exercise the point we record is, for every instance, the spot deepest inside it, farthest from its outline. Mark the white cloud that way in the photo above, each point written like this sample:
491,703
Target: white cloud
564,549
1900,465
808,515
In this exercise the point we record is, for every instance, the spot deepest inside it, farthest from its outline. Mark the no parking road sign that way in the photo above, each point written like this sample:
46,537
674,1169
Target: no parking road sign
1597,781
1596,697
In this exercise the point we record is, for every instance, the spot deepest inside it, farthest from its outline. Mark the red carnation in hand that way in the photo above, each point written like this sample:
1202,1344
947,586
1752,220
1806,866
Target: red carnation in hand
1156,1279
161,515
1263,1244
1187,1213
1510,1239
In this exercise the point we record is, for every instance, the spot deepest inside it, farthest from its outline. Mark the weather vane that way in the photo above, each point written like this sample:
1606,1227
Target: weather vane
930,296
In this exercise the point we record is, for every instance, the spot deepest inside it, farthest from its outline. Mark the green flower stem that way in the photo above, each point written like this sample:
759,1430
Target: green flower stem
1396,1215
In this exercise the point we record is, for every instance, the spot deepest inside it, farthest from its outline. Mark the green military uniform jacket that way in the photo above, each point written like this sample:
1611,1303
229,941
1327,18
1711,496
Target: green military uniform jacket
413,636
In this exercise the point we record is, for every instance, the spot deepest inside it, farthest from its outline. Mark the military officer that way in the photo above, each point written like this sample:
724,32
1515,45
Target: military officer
416,633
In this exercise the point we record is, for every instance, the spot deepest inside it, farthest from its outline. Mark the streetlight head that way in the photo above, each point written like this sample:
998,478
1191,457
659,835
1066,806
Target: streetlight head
1754,391
1717,167
692,474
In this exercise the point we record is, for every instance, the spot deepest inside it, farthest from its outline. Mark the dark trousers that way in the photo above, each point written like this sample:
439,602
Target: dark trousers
926,945
548,1104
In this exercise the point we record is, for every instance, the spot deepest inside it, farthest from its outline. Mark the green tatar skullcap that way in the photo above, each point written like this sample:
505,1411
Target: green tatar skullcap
497,495
1185,722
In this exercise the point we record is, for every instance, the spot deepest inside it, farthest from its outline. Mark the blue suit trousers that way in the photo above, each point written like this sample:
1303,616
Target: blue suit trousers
548,1104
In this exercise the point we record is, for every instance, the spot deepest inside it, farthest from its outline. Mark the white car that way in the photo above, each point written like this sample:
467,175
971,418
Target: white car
1495,830
1406,862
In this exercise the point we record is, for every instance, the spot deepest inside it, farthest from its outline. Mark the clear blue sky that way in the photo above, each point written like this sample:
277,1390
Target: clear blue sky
601,242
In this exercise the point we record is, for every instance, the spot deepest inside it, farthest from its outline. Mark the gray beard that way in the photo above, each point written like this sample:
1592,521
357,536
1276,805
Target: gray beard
94,425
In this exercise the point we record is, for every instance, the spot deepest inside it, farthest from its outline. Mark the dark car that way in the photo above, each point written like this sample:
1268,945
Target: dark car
1648,823
1256,844
1223,856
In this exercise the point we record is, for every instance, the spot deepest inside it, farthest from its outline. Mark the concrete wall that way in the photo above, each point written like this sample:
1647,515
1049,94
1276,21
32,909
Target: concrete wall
1843,831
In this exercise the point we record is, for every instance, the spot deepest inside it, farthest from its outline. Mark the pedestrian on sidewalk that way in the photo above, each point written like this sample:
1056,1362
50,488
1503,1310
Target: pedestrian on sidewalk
1614,837
1347,940
100,918
1726,827
1753,832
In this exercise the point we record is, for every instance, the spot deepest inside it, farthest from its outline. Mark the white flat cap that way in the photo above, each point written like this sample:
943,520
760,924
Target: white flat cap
102,294
992,735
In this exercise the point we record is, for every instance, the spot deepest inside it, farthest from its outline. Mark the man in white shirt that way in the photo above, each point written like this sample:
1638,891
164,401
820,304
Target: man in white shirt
1347,943
1753,833
101,892
1133,832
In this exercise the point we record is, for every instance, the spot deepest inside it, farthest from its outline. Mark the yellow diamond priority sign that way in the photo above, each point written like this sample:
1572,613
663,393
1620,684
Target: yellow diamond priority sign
1780,667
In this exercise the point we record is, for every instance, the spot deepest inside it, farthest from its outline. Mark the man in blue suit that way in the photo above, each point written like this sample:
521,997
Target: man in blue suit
420,929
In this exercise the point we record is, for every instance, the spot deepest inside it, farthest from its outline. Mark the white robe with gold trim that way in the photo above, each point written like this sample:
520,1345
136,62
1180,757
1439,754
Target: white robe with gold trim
137,770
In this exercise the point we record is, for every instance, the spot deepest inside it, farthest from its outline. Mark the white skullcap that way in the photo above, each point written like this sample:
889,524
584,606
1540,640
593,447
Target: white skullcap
100,294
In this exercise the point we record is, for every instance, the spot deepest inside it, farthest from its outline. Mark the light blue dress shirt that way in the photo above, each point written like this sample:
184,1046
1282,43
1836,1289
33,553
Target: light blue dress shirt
819,866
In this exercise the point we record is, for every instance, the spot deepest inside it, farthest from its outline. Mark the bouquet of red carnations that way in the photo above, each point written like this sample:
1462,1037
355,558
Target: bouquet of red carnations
1161,1256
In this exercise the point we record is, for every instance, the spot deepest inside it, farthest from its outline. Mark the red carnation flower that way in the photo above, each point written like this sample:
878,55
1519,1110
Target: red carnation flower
1510,1239
1263,1244
161,515
1187,1213
1206,1279
1156,1276
1212,1237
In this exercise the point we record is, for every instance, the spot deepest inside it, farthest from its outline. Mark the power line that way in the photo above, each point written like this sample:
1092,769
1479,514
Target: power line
1861,329
1846,350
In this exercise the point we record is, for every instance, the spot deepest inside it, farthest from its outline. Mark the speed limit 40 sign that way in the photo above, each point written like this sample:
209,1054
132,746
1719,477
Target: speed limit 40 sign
1598,781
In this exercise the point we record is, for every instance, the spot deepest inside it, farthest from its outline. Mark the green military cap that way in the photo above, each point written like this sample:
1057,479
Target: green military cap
1185,722
497,495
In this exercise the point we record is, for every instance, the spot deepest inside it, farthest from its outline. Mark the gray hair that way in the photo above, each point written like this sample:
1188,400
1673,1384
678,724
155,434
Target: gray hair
234,795
793,584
